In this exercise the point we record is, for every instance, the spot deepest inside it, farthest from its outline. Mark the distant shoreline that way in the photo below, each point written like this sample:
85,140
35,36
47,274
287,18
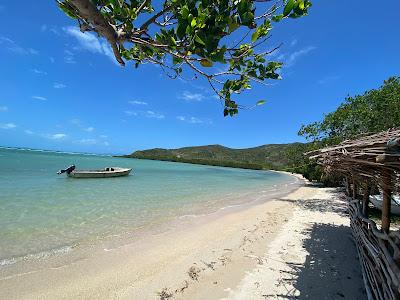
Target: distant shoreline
279,157
205,163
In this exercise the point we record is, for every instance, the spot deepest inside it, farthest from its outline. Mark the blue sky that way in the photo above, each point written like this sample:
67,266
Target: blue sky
61,90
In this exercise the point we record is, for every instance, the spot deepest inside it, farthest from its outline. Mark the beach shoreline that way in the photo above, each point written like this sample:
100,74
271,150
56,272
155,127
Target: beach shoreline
206,258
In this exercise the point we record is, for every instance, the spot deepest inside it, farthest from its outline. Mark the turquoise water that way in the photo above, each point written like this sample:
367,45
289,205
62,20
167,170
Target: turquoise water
41,211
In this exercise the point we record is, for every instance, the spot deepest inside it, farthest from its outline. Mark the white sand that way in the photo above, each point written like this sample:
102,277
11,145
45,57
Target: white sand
313,257
296,246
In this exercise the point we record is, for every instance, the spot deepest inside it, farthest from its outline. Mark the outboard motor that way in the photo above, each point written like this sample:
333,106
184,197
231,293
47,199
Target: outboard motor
67,170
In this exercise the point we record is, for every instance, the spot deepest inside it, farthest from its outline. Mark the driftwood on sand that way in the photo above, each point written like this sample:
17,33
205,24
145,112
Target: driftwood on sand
370,165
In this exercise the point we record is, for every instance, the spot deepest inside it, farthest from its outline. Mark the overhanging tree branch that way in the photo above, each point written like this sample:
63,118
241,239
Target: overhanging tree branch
194,34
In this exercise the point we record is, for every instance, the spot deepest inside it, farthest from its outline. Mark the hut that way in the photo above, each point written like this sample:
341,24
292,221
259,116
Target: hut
370,165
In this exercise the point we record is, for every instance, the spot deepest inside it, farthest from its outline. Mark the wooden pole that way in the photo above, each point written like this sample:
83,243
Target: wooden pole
365,207
387,200
348,188
354,189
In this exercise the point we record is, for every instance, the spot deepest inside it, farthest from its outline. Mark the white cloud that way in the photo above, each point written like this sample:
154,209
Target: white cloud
152,114
293,42
137,102
75,122
57,136
78,123
3,108
103,136
27,131
52,29
147,114
14,47
52,60
90,42
32,51
191,97
69,57
193,120
8,126
295,55
131,113
58,85
328,79
39,98
40,72
281,57
87,141
91,141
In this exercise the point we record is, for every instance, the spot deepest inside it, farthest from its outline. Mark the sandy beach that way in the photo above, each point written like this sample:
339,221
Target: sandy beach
298,246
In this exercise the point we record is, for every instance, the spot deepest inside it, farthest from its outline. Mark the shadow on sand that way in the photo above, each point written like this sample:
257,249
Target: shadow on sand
338,206
332,269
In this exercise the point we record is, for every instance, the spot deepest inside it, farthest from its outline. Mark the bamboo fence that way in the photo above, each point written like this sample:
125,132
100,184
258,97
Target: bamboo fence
370,165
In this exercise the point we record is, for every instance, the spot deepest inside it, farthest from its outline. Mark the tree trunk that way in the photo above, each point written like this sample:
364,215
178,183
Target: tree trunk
89,12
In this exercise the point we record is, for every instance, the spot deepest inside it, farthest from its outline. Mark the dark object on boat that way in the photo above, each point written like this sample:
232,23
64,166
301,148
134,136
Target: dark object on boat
102,173
67,170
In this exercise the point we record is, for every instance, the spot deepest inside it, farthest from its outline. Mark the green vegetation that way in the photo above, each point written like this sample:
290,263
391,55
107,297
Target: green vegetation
372,112
199,36
276,156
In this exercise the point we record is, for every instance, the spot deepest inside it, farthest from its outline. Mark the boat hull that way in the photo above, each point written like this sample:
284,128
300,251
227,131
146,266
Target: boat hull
116,172
376,200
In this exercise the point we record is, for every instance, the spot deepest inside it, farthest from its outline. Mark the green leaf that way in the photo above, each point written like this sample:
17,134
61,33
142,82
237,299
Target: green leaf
277,18
185,12
260,102
232,25
288,7
199,40
181,29
67,10
193,23
206,63
254,36
176,60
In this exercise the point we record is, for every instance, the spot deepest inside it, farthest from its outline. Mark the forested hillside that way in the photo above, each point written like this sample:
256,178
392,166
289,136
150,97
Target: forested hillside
273,156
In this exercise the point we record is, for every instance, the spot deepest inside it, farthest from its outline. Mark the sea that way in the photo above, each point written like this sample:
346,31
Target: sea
43,214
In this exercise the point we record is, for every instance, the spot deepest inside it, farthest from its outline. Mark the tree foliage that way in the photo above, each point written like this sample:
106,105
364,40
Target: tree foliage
200,35
372,112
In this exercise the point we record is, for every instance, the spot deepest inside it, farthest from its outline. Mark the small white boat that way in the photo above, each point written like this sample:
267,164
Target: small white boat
376,200
102,173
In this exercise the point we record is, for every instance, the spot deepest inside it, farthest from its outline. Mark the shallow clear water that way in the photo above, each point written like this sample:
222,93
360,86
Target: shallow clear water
42,211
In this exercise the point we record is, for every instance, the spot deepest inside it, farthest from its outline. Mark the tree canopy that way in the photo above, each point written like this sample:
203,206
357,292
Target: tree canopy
372,112
221,40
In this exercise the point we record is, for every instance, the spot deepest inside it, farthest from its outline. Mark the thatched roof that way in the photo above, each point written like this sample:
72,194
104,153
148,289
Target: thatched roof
366,158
